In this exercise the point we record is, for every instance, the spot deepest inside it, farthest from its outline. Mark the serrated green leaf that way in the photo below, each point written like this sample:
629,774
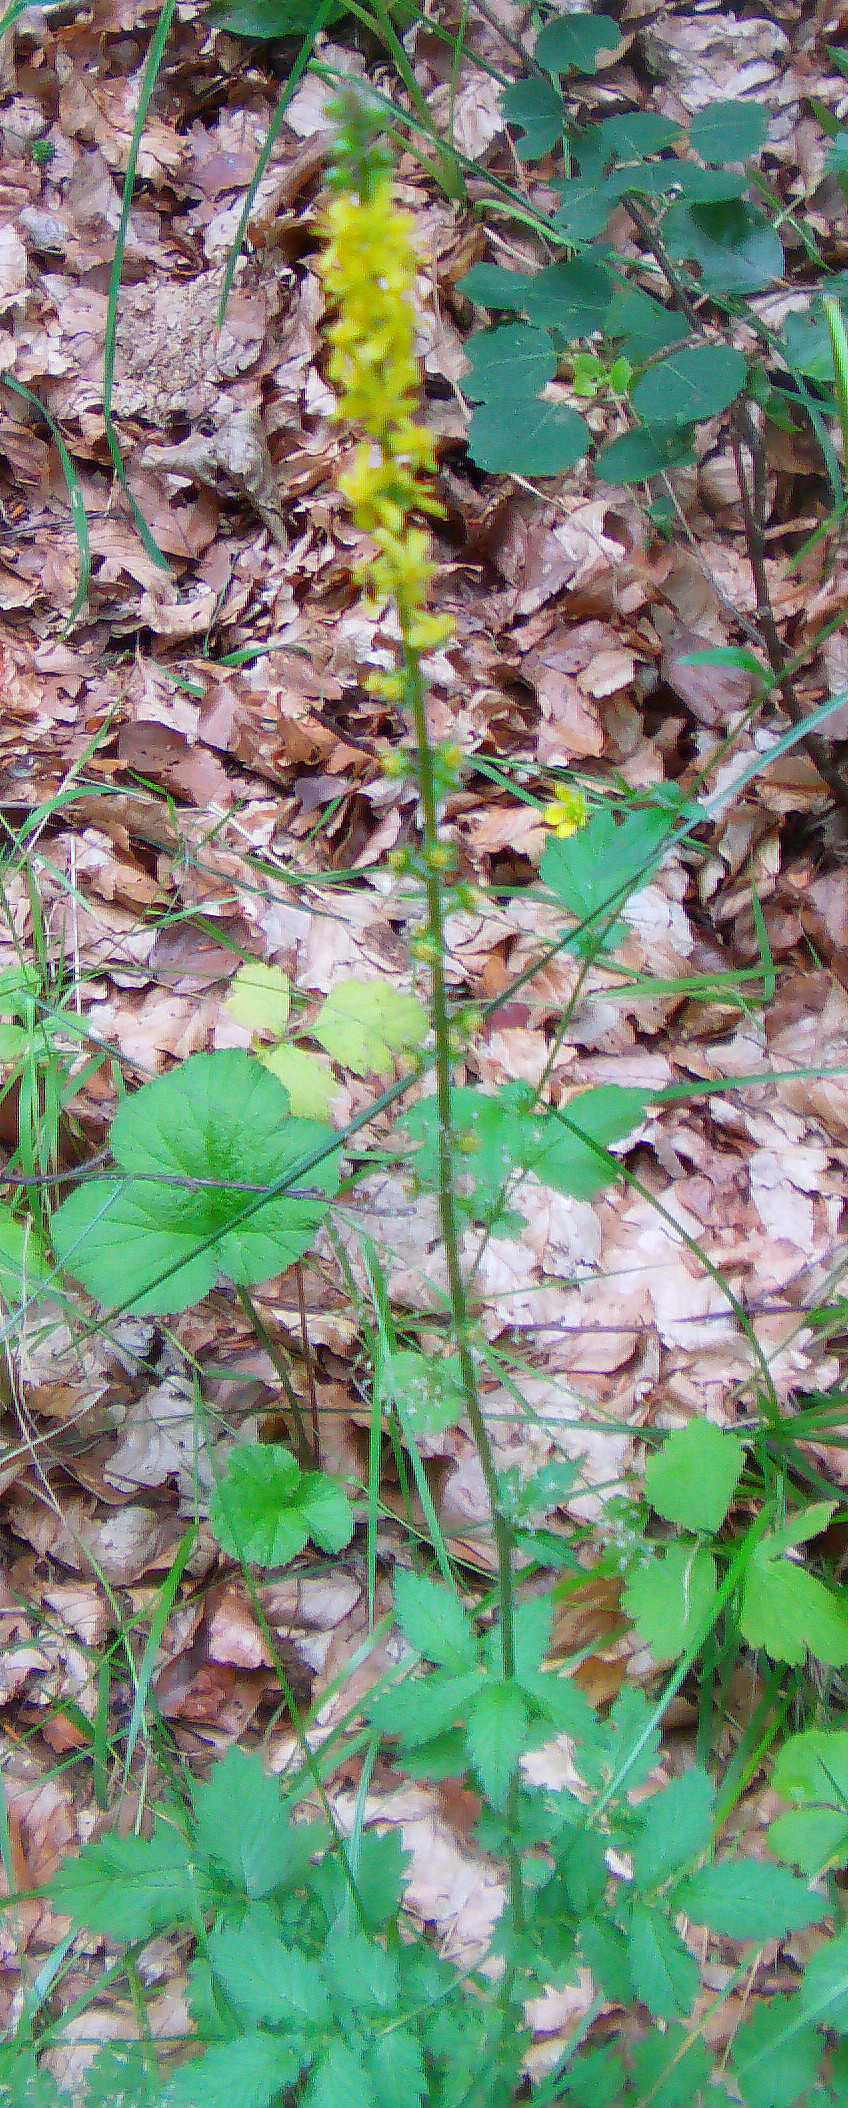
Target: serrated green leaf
364,1024
571,297
249,2071
307,1079
264,1508
130,1888
536,108
509,364
120,2076
427,1394
396,2069
789,1612
222,1120
675,1827
527,438
496,1735
823,1993
774,2060
747,1899
338,2080
382,1870
242,1826
424,1706
670,1599
812,1769
665,1976
729,131
434,1621
266,1980
260,998
573,43
733,248
25,1267
669,2070
810,1838
693,1478
689,386
498,1139
493,286
363,1975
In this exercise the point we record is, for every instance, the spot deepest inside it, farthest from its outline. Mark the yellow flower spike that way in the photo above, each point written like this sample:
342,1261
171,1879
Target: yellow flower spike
566,813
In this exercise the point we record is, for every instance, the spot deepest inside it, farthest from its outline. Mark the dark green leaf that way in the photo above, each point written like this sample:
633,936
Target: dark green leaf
242,1826
807,346
573,43
424,1706
640,323
732,248
605,1953
248,2072
729,131
434,1622
665,1976
527,438
691,385
823,1993
638,133
774,2059
491,285
692,1479
536,108
637,456
675,1827
264,1509
509,364
747,1899
570,297
276,18
218,1118
583,213
381,1871
263,1978
670,2074
497,1736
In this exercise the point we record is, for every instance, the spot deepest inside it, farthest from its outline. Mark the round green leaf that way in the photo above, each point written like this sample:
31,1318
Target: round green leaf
536,107
637,456
571,297
364,1024
154,1242
265,1508
690,385
509,364
732,248
260,998
573,43
637,133
492,285
692,1479
729,131
527,439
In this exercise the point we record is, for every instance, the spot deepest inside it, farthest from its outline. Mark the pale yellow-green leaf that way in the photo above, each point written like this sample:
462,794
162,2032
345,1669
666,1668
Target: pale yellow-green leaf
14,1041
308,1079
260,998
363,1024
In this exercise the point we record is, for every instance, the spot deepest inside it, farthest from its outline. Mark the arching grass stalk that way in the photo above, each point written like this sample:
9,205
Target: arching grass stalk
368,268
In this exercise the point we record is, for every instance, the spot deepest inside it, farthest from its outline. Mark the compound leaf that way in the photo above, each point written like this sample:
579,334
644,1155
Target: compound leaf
665,1976
747,1899
129,1888
496,1736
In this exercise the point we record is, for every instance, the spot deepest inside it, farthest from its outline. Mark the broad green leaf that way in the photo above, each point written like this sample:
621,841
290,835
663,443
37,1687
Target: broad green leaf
605,1953
573,43
807,346
675,1827
527,438
570,297
800,1528
670,1599
15,1041
260,998
396,2069
424,1706
307,1079
669,2072
338,2080
364,1024
498,1139
248,2072
536,107
265,1979
823,1992
641,324
508,364
492,285
219,1119
382,1871
242,1826
729,131
583,212
789,1612
639,455
733,248
693,1478
774,2059
24,1265
665,1976
638,133
496,1735
812,1769
363,1975
264,1509
130,1888
434,1621
691,385
426,1393
747,1899
594,870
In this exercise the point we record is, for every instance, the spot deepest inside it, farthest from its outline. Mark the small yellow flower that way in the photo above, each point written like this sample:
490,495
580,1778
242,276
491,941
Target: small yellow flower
566,813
